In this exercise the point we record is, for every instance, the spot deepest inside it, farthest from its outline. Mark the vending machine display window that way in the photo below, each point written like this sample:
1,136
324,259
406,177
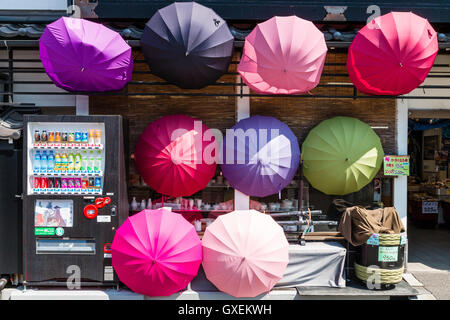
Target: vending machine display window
65,246
53,213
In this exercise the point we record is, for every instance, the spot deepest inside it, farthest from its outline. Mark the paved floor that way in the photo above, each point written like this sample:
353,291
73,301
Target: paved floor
429,260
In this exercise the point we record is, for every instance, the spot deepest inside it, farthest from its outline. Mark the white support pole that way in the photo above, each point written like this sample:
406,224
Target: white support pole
401,182
82,105
241,200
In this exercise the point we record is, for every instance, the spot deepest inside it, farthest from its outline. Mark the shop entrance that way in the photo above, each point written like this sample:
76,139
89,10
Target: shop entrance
429,195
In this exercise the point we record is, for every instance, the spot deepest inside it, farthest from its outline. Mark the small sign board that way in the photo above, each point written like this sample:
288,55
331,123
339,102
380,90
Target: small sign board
396,165
430,207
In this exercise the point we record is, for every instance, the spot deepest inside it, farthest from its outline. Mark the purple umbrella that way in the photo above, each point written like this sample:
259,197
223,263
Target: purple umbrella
260,156
80,55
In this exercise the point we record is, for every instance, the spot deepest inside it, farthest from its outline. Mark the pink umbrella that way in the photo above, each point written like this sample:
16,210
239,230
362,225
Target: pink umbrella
283,55
80,55
393,54
245,253
156,252
175,157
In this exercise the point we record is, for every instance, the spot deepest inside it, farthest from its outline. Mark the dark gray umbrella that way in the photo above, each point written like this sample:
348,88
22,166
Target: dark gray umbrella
187,44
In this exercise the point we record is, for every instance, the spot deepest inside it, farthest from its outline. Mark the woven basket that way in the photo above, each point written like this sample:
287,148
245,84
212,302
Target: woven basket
387,276
387,239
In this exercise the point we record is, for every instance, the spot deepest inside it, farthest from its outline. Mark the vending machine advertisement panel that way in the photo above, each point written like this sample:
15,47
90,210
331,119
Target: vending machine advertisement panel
74,198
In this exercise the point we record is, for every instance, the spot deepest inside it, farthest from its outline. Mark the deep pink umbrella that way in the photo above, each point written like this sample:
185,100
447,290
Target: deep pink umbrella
80,55
156,252
245,253
283,55
175,155
393,54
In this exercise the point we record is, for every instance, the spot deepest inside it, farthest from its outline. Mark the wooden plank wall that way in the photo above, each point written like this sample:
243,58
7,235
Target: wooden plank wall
301,114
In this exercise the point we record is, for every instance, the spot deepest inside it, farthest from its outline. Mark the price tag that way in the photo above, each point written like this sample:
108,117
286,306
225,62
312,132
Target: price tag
374,239
430,207
387,254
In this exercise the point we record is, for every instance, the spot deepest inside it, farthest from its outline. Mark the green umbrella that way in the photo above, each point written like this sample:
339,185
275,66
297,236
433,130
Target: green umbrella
341,155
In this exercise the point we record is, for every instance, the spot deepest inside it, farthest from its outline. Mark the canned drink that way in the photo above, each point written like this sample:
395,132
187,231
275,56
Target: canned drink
98,136
77,183
64,183
70,183
51,136
91,136
71,137
51,182
84,183
44,183
57,136
84,137
98,183
44,136
37,136
64,137
37,182
78,136
91,183
57,182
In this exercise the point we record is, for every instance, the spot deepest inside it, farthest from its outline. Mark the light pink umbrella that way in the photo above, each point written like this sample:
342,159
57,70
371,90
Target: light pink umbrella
245,253
283,55
393,54
156,252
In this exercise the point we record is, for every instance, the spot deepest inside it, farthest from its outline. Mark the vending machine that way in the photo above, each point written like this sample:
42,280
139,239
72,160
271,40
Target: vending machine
74,198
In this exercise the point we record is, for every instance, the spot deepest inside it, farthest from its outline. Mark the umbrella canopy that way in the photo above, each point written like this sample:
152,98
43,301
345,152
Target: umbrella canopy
283,55
260,156
245,253
187,44
393,54
80,55
171,158
341,155
156,252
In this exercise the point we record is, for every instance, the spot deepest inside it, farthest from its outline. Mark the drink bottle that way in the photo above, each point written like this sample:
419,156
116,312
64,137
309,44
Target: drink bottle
37,161
44,161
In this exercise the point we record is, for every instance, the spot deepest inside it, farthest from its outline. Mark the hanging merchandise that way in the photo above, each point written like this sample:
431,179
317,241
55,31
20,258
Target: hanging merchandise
260,156
156,252
80,55
173,157
245,253
341,155
392,54
283,55
187,44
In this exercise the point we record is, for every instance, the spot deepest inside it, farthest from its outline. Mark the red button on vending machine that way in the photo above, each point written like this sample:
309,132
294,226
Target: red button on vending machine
90,211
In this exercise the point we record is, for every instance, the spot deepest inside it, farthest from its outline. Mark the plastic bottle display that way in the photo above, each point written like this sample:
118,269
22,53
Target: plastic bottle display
51,161
70,167
86,136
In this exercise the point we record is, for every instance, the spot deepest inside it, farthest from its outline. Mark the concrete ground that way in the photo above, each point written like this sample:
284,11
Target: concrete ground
429,261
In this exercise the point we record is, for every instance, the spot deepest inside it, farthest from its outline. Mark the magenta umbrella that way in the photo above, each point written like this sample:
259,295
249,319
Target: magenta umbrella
175,157
283,55
80,55
156,252
393,54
